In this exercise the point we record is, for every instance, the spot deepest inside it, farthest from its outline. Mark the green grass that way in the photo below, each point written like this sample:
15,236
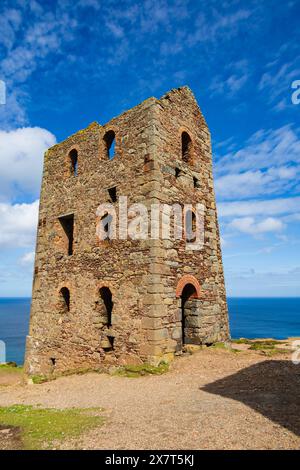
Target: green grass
221,345
39,379
142,369
241,341
42,427
267,342
11,368
266,346
275,351
259,346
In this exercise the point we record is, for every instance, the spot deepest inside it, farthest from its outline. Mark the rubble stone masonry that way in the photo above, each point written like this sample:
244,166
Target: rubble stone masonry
113,302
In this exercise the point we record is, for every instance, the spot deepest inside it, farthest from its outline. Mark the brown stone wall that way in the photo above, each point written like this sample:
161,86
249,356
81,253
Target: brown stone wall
142,275
175,113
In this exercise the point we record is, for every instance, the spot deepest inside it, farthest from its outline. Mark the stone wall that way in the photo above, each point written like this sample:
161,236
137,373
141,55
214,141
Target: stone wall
142,275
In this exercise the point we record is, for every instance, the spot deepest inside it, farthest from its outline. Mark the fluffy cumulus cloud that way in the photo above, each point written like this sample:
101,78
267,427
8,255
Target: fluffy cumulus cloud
18,225
258,182
251,226
21,161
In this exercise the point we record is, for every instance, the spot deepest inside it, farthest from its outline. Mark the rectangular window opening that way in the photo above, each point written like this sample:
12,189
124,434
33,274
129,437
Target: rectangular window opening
196,182
113,194
177,172
67,223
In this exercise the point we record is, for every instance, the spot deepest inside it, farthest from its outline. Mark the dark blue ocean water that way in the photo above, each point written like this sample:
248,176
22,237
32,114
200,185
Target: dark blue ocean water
249,317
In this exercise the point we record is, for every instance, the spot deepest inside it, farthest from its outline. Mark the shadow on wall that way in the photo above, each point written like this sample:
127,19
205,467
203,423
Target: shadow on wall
271,388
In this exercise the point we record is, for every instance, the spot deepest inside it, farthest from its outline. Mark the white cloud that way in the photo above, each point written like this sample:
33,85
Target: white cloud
278,146
18,224
226,26
257,182
249,225
234,77
257,207
30,35
9,25
277,79
268,164
21,160
27,259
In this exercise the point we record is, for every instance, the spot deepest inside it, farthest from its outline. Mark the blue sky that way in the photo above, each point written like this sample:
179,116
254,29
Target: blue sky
69,63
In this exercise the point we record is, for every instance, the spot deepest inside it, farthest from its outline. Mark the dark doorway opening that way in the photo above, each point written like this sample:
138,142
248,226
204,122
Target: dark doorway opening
113,194
65,298
188,293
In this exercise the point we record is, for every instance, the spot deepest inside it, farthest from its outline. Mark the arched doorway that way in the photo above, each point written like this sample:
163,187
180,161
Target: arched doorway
188,291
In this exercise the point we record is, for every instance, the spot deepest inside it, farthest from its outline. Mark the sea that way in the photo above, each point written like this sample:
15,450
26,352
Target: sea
277,318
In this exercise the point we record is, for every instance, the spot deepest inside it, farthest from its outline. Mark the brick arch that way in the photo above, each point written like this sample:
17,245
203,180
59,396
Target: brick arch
105,131
67,170
188,279
108,284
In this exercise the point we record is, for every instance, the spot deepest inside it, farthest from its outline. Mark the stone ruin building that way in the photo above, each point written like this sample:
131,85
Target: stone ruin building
98,303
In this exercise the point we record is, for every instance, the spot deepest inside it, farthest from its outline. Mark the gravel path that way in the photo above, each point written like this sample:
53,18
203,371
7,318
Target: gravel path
214,399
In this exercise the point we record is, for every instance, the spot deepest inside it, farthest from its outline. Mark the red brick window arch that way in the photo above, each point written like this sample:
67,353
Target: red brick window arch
184,281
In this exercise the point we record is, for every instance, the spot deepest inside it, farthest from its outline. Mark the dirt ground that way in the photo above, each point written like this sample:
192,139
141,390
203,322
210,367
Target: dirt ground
213,399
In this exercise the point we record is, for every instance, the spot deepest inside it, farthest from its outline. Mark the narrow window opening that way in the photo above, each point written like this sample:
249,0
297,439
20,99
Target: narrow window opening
177,172
73,155
113,194
106,296
65,298
106,221
196,182
110,345
190,226
53,361
186,147
109,140
67,223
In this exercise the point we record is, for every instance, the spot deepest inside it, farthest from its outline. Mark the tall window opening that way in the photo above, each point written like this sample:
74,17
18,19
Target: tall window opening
109,140
113,194
177,172
186,147
73,156
65,299
196,182
107,226
106,297
190,226
67,223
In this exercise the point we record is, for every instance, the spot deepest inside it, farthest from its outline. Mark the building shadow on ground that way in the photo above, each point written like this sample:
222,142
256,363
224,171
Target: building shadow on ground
271,388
